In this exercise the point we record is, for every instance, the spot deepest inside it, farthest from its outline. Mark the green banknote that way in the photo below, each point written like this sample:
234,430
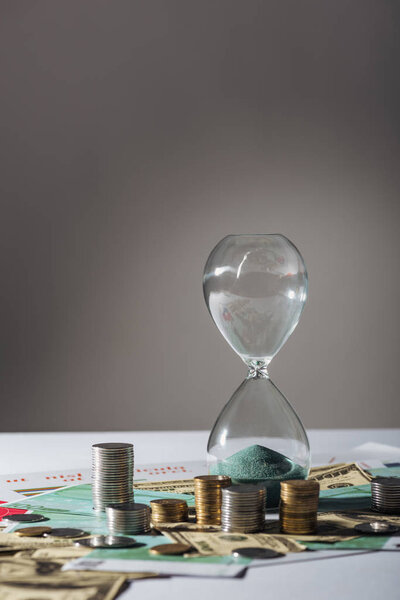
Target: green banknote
73,507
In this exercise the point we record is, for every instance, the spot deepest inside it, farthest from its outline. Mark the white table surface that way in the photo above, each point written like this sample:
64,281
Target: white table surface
369,576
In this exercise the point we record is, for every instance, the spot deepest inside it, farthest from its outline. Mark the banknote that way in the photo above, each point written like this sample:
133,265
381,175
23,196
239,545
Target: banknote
56,554
73,507
222,544
64,555
329,477
338,476
188,526
10,540
175,486
28,578
323,468
349,519
331,527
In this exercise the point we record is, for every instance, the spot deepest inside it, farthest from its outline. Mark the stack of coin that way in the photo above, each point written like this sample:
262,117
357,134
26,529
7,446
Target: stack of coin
385,495
243,508
298,506
208,497
168,511
112,474
128,518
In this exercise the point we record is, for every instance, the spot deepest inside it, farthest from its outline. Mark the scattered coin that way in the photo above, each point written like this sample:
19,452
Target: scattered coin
107,541
67,532
174,549
26,518
256,553
32,531
376,527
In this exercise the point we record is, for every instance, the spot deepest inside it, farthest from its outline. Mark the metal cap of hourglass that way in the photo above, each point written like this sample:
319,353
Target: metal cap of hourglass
255,287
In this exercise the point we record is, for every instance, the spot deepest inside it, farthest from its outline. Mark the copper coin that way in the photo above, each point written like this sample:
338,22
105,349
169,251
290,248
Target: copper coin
32,531
170,549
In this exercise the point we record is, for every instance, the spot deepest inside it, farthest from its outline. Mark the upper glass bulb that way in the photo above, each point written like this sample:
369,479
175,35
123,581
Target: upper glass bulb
255,287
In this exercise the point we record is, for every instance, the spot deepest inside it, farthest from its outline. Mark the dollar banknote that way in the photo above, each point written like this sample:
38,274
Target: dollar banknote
222,544
11,542
339,475
190,525
323,468
64,555
329,477
175,486
42,578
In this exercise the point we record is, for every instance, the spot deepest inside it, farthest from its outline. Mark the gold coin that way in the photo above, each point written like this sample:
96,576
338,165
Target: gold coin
167,502
208,497
32,531
298,506
170,549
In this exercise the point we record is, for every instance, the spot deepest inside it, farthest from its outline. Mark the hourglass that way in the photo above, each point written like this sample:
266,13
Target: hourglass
255,287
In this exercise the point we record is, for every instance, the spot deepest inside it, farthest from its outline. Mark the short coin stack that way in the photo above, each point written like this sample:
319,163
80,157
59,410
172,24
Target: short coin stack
128,518
243,508
298,506
112,474
168,511
208,497
385,495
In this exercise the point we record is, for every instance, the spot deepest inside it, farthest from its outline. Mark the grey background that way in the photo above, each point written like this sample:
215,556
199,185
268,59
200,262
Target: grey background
134,136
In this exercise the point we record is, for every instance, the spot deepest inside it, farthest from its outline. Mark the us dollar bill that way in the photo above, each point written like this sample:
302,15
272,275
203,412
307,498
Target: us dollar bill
350,518
323,468
175,486
337,526
222,544
28,578
11,542
64,555
188,526
340,475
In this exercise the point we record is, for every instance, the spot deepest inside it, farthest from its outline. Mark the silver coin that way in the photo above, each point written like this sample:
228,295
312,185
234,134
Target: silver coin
130,530
386,503
387,499
243,489
113,445
129,507
234,529
394,503
256,553
25,518
67,532
385,494
376,527
106,541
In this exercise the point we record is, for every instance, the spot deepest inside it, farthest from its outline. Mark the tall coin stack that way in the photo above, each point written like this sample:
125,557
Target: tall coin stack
385,495
243,508
168,511
112,474
208,497
298,506
128,518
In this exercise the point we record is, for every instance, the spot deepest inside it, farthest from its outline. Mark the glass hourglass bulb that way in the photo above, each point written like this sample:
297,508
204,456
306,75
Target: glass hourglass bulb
255,287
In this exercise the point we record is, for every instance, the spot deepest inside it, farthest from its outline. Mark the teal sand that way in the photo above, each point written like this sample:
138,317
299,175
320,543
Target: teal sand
260,465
